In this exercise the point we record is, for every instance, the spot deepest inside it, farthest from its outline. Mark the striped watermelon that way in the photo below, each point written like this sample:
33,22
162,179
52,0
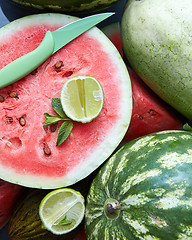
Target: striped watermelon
14,9
65,6
144,191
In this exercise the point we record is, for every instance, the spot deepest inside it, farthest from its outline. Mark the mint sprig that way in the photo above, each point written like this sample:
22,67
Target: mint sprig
64,132
67,125
56,104
51,119
64,221
187,127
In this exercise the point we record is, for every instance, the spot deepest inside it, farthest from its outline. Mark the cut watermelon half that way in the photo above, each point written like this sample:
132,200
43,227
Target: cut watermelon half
23,139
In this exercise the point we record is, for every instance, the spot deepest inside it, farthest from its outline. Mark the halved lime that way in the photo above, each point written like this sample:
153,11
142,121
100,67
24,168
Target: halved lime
62,210
82,98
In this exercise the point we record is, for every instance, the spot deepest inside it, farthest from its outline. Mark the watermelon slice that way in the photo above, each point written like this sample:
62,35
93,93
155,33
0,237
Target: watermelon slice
23,139
150,114
9,193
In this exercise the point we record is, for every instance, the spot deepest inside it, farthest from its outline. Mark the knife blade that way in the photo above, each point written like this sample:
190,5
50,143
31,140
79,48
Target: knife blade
50,44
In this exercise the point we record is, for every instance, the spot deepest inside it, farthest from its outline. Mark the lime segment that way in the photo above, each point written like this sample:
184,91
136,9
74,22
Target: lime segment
82,98
62,210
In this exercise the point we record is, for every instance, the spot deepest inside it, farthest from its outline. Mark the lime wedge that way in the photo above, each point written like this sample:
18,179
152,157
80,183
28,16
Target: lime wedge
62,210
82,98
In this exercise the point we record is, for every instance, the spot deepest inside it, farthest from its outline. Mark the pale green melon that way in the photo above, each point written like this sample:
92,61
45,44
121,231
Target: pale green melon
157,40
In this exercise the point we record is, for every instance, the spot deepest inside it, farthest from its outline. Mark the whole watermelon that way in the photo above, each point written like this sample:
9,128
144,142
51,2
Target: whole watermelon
14,9
144,191
68,6
156,39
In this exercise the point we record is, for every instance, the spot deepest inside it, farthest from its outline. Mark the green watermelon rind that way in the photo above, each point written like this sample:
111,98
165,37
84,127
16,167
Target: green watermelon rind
151,178
111,142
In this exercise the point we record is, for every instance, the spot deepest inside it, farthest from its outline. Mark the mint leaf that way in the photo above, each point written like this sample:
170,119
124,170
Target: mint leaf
66,127
187,127
64,221
51,119
56,104
64,132
47,115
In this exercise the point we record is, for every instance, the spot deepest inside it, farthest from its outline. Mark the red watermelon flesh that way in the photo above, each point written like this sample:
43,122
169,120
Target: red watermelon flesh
149,114
81,235
9,193
22,156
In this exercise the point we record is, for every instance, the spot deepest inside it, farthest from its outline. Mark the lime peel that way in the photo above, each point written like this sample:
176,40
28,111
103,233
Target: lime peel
62,210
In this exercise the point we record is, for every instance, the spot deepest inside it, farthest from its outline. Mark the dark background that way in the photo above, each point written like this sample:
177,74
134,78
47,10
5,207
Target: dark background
3,21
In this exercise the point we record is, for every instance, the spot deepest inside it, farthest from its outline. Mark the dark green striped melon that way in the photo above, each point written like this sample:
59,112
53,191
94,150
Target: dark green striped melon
14,9
144,191
67,6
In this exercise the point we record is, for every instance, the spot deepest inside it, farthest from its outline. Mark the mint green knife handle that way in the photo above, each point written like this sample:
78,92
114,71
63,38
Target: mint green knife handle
28,62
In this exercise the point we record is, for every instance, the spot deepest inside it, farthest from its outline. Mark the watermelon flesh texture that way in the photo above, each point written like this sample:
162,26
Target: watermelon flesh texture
150,114
9,194
81,235
22,158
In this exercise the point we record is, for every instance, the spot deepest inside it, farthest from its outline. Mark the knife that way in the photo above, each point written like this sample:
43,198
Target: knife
50,44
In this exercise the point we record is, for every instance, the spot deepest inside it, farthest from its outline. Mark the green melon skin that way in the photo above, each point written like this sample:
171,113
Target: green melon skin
67,6
150,181
156,39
